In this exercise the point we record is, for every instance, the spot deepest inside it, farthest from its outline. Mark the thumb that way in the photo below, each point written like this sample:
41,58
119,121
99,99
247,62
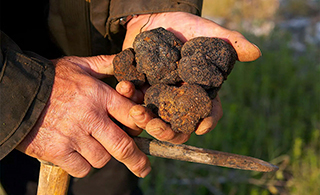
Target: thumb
98,66
246,50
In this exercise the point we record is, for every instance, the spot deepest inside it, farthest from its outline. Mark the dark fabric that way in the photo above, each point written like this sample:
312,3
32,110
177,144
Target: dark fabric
19,176
123,8
76,35
68,27
119,181
25,87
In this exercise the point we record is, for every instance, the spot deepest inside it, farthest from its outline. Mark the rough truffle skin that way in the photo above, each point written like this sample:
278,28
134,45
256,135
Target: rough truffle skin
183,107
160,58
157,55
206,61
124,66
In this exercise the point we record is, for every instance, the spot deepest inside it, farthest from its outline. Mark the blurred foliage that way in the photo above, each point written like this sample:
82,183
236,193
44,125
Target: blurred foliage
299,8
271,111
238,10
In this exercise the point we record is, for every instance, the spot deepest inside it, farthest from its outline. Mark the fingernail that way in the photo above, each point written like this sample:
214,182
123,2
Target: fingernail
258,49
202,132
137,115
124,89
145,172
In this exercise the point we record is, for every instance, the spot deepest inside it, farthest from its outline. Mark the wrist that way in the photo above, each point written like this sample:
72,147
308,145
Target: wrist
124,20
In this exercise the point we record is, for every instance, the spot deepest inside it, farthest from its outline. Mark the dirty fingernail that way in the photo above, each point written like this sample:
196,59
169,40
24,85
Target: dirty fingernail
124,89
137,115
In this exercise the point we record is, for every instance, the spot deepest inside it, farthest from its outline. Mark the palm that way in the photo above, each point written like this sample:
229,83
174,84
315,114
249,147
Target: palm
186,26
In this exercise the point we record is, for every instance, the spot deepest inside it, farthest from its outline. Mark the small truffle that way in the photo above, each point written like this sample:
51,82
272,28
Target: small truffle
124,66
157,55
183,107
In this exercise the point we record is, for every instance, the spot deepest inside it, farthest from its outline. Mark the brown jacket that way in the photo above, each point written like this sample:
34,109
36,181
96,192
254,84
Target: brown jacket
81,28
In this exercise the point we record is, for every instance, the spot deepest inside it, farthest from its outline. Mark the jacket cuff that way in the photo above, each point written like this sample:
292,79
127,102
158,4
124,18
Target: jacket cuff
25,86
119,9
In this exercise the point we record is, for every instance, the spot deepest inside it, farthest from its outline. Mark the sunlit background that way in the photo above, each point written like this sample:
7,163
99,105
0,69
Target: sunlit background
271,106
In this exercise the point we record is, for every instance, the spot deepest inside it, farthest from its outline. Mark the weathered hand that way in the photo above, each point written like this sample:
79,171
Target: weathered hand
75,130
185,26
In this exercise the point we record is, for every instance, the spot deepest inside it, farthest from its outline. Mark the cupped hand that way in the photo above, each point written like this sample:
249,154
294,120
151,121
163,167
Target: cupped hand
75,130
185,26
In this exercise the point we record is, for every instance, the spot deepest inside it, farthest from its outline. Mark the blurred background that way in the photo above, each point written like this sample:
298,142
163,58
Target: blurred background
271,106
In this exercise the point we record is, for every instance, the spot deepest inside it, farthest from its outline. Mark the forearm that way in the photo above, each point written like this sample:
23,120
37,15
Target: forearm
25,86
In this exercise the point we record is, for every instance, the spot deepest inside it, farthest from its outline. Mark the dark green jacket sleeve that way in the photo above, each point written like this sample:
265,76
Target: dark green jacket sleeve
85,28
124,8
26,81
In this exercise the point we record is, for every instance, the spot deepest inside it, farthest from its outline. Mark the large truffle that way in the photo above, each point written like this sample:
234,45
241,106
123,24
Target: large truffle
124,66
157,55
183,107
206,61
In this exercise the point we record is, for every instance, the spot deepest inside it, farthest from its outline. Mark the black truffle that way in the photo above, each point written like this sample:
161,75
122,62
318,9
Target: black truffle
157,55
183,107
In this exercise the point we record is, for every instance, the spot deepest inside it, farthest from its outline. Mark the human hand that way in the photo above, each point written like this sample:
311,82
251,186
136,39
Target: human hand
75,130
185,26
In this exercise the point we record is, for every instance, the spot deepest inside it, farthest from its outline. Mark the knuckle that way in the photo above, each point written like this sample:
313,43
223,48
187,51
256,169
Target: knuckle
74,164
124,149
181,139
140,165
101,162
81,172
163,135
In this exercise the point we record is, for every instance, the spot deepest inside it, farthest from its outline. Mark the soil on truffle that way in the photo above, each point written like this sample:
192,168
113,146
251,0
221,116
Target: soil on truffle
183,107
157,54
206,61
124,67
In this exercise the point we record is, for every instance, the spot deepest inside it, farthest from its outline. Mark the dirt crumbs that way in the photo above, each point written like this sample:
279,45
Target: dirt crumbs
183,77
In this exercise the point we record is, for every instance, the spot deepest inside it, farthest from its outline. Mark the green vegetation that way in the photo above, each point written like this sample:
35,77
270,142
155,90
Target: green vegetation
271,111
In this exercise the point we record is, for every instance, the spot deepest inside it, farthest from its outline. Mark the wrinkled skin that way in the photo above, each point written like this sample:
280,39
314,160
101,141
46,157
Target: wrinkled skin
75,130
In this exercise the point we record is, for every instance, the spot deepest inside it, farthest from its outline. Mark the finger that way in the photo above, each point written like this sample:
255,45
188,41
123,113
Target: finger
102,64
209,123
123,148
133,132
118,107
97,66
73,163
141,115
128,90
162,131
246,50
91,150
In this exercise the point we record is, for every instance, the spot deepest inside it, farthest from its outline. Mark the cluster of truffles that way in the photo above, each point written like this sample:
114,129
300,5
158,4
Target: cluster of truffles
183,77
